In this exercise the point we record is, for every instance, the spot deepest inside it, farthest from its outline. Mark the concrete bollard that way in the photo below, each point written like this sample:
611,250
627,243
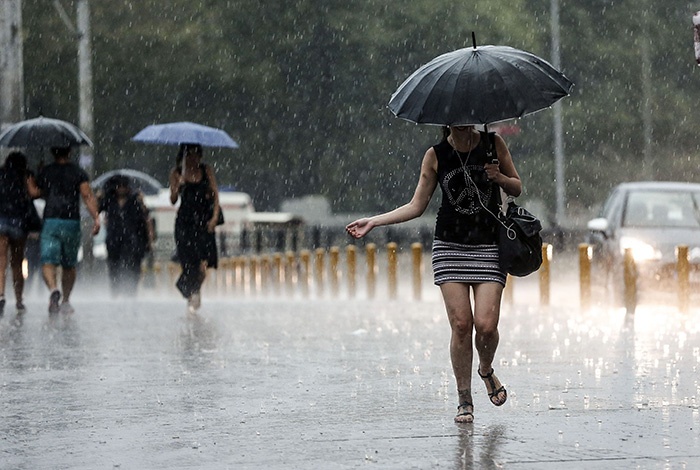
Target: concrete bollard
230,275
334,271
392,270
417,262
265,274
508,290
371,254
277,273
239,275
173,272
683,268
351,254
584,265
290,273
158,271
319,261
304,275
545,277
630,281
254,277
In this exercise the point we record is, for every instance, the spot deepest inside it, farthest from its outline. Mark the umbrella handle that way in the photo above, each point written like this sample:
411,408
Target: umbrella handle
474,39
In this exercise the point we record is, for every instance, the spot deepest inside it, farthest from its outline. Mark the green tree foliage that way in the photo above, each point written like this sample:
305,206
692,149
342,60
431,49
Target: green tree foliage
303,87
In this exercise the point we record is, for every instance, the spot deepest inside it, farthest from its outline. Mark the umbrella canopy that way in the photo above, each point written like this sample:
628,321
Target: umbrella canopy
479,85
43,132
138,180
176,133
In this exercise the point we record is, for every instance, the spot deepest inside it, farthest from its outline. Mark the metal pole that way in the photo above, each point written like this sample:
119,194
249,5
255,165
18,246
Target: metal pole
560,213
85,81
647,95
584,264
545,277
683,275
11,63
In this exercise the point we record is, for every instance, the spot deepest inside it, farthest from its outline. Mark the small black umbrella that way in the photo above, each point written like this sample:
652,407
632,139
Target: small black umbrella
43,132
479,85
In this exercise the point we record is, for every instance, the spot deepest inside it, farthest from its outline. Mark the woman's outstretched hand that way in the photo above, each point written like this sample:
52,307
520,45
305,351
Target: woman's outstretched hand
359,228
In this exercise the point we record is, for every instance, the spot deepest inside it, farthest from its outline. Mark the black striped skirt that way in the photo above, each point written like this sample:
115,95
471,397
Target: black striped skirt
470,264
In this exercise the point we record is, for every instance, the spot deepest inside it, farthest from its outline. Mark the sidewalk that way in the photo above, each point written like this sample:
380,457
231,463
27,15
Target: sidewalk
338,384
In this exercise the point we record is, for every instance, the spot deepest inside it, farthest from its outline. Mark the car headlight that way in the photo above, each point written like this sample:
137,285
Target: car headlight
641,251
694,255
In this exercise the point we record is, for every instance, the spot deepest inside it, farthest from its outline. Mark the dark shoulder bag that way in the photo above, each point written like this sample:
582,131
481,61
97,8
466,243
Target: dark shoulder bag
33,222
519,240
220,219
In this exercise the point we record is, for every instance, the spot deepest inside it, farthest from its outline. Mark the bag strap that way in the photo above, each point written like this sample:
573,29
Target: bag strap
491,147
492,155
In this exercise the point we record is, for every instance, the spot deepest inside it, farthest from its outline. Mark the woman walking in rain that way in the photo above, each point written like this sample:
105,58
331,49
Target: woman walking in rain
17,188
194,184
128,234
465,251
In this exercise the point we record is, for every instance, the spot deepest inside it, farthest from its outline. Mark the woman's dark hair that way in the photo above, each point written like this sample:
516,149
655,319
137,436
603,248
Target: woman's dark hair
195,148
445,133
60,151
17,163
118,180
184,148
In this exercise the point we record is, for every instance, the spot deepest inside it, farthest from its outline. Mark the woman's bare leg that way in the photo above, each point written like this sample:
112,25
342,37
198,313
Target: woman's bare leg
459,313
487,307
16,259
4,247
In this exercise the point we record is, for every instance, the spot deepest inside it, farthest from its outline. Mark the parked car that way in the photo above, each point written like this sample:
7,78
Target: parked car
652,219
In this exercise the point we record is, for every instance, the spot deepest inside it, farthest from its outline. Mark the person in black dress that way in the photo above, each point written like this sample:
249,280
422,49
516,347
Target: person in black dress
194,185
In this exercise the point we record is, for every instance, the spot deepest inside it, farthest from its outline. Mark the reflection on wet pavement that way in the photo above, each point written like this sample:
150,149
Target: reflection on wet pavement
342,384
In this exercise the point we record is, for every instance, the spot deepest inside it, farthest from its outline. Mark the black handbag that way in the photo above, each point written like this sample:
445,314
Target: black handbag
220,218
32,221
519,241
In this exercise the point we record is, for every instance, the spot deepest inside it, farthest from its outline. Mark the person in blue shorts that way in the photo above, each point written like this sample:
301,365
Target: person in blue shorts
62,184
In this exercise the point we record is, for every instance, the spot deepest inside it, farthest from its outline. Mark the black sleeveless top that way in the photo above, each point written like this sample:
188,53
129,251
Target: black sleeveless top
196,201
14,199
461,217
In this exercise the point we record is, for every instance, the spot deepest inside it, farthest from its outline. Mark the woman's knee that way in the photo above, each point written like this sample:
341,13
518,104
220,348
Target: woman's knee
461,323
486,328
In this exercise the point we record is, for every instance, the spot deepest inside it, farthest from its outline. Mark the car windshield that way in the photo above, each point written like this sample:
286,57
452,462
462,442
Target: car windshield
662,209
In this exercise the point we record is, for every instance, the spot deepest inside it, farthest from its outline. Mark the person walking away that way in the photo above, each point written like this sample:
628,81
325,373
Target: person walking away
465,251
63,184
128,236
17,188
193,183
32,250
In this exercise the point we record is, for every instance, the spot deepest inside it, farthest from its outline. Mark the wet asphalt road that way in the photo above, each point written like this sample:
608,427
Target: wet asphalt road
341,384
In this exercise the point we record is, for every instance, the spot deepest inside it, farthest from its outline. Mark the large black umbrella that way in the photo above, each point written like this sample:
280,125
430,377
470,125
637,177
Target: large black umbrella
43,132
479,85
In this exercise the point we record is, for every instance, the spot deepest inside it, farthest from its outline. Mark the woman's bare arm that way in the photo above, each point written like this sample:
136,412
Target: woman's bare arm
415,208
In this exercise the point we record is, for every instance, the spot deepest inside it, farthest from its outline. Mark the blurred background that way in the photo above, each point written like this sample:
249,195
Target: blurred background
303,86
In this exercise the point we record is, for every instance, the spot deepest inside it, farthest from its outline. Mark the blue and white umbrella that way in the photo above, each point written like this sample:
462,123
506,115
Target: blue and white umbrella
177,133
